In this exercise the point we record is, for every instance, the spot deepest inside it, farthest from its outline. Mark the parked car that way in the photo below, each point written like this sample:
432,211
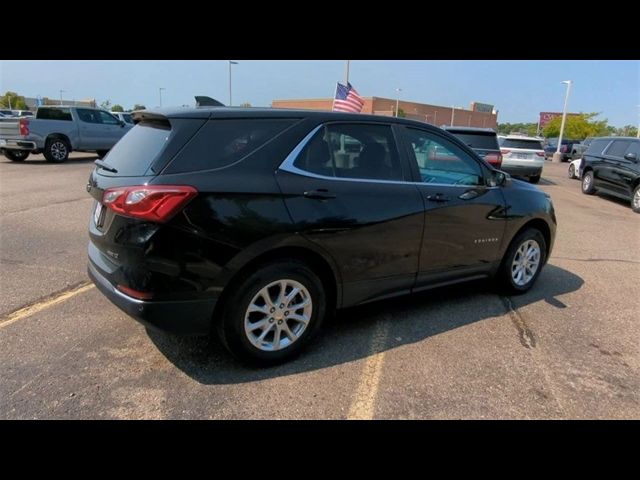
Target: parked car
578,149
566,148
612,165
522,156
124,116
22,113
191,233
7,112
484,141
575,168
56,131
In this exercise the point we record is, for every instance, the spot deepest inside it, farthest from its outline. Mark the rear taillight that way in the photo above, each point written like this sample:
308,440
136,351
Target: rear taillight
156,203
135,293
494,159
540,154
563,148
24,126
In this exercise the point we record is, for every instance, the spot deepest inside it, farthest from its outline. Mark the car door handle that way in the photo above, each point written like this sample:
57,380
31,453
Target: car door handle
469,194
319,194
438,197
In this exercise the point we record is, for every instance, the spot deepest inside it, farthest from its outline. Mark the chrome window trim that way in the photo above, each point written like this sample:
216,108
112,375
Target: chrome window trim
288,166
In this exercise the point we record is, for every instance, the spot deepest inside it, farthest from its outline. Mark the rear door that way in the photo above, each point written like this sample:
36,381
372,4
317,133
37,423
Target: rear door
625,172
89,127
611,160
346,188
464,221
111,130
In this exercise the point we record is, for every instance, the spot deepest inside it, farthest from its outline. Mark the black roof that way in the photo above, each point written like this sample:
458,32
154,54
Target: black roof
469,129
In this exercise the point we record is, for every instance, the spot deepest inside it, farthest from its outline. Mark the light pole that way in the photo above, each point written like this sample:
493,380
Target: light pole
557,157
61,92
160,93
398,100
638,133
453,111
230,63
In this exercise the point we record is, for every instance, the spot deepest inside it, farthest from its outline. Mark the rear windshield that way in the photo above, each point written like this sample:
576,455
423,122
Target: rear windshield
54,114
136,151
485,141
518,143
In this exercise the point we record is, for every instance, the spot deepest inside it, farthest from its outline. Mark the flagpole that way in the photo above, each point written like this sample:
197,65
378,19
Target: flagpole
335,94
347,75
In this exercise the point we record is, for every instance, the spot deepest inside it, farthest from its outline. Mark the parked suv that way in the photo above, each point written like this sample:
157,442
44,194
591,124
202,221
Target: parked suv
522,156
611,165
257,223
484,141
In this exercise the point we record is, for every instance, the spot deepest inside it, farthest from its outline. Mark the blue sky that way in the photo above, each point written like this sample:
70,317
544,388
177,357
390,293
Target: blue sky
518,89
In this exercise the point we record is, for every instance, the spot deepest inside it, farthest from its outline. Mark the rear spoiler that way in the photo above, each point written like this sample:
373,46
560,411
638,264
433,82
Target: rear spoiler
202,101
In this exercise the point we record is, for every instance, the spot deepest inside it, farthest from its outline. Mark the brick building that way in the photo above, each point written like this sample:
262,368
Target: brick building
423,112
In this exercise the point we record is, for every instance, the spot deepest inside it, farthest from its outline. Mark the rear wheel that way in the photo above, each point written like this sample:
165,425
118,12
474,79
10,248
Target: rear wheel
523,261
56,150
16,155
587,183
572,171
534,179
272,313
635,200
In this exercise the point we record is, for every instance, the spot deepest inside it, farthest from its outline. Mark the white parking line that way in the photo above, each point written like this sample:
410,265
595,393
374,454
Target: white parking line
363,405
38,307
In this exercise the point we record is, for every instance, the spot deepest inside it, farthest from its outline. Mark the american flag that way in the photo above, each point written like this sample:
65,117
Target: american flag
347,99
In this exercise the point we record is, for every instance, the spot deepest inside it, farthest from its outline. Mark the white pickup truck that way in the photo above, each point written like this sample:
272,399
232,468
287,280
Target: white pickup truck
56,131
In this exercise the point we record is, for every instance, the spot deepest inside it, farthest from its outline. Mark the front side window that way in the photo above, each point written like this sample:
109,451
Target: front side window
356,151
87,115
440,161
107,119
617,148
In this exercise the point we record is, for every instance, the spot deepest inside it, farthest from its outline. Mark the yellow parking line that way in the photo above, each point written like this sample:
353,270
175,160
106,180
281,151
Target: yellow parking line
38,307
363,405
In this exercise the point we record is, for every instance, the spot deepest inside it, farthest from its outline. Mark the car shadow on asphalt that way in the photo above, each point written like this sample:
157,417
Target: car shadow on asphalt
38,162
347,337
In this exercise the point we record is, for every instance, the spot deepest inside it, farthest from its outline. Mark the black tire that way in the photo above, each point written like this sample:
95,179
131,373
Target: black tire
635,200
230,326
17,155
587,183
101,153
56,150
504,275
572,171
534,179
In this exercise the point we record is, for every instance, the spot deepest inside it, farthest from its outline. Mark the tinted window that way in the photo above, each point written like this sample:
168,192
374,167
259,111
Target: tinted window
597,146
361,151
483,141
107,119
618,147
54,114
442,162
525,144
223,142
137,150
87,115
127,118
634,147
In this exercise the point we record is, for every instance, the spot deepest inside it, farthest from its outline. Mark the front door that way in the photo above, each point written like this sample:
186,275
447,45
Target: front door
347,191
464,222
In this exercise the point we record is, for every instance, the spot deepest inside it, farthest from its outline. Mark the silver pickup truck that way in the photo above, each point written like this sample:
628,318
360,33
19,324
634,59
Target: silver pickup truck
56,131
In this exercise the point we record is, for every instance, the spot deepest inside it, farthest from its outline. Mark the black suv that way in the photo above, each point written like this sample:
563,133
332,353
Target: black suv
611,164
484,141
257,223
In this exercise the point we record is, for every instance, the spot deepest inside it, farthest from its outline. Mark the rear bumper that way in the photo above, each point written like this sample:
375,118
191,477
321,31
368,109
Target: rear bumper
10,144
187,317
522,170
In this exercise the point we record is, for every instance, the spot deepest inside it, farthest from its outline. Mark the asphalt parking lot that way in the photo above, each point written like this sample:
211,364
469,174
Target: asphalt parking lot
567,349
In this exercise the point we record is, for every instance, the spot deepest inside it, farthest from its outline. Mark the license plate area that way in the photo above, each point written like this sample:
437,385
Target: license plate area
98,215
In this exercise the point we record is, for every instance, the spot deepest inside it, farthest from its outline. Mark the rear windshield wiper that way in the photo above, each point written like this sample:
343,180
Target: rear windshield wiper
105,166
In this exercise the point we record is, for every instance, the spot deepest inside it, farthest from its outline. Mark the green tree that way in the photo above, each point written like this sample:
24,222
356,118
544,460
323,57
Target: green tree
138,106
117,108
106,104
401,113
626,131
577,127
13,100
245,105
526,128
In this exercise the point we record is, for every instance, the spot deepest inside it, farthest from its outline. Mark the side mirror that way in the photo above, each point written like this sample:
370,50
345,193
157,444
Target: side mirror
631,157
122,123
498,178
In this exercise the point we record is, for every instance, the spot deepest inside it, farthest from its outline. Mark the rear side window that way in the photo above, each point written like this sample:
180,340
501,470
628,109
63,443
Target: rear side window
482,141
618,147
525,144
137,150
363,151
597,146
54,114
220,143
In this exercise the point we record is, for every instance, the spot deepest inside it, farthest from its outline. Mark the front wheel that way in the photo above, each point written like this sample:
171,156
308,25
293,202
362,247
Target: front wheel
534,179
272,313
572,171
635,200
16,155
523,261
587,183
